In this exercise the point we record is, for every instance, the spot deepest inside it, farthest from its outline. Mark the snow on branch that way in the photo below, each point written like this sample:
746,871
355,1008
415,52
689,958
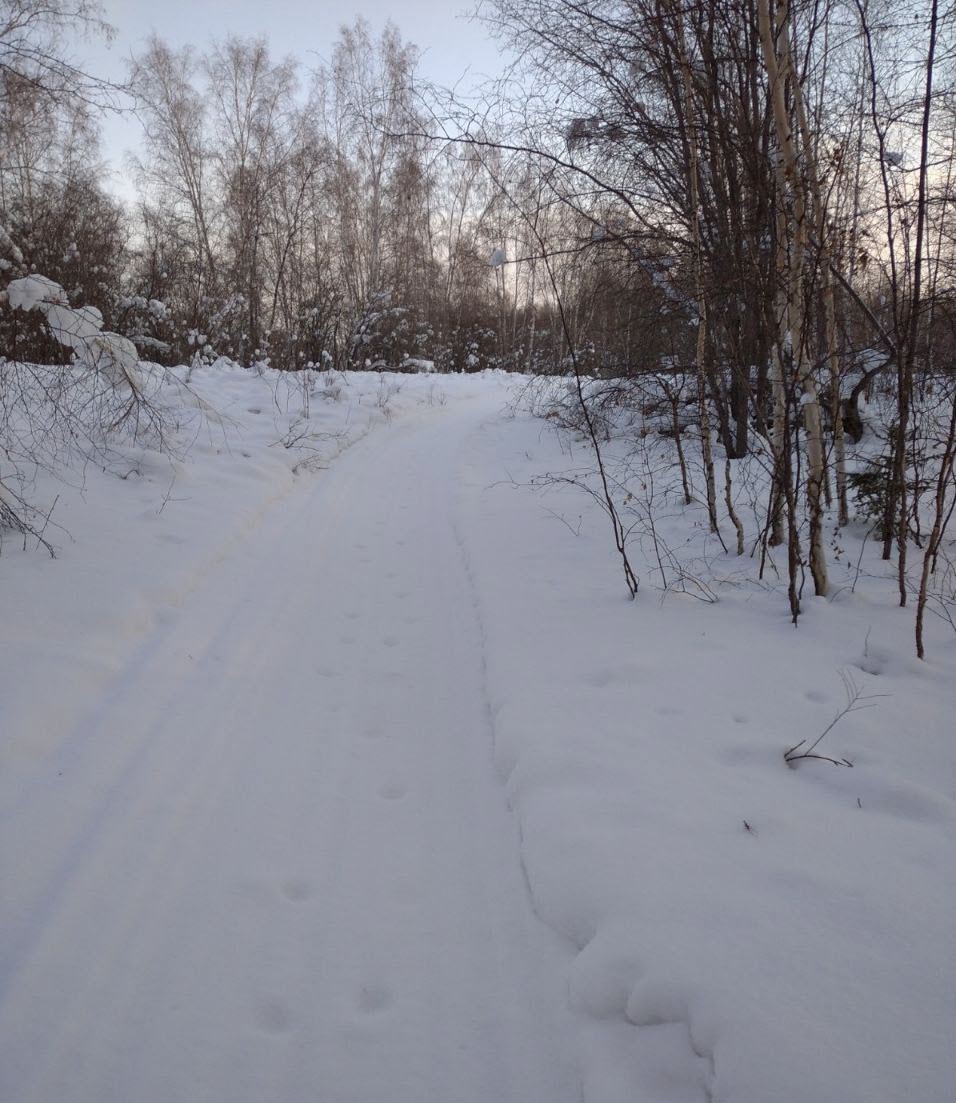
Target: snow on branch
80,329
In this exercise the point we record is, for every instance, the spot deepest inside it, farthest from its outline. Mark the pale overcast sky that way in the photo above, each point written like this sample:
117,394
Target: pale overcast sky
452,44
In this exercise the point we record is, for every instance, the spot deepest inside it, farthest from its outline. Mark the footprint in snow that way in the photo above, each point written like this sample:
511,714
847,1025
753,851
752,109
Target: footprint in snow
669,710
625,674
373,997
392,790
296,889
272,1016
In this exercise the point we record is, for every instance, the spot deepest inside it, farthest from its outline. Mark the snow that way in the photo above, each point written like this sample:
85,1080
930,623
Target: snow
73,328
333,767
417,364
79,329
498,258
781,933
7,243
30,292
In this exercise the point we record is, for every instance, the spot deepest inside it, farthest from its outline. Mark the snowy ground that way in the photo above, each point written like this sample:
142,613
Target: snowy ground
336,766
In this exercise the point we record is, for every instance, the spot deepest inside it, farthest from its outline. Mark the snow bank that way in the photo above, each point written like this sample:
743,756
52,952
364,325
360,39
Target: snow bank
745,932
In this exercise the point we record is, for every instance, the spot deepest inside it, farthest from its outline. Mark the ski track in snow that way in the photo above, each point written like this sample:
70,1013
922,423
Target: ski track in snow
280,865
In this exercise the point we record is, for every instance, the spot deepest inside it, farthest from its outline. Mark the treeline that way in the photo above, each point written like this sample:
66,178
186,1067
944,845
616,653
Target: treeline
747,202
763,195
283,217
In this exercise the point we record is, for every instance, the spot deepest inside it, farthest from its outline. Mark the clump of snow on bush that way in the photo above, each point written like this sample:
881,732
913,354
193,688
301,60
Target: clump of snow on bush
79,329
417,364
7,243
29,292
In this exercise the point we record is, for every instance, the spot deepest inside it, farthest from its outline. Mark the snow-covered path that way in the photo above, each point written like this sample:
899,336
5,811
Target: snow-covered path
279,865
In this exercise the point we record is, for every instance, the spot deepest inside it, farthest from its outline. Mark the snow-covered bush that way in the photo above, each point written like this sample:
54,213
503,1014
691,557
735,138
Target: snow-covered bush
149,325
51,411
75,235
79,329
388,336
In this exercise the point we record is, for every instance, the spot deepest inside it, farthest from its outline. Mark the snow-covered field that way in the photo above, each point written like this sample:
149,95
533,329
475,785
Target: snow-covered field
336,765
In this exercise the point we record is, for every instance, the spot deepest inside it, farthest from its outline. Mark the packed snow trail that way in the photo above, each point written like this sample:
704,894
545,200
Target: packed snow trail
279,865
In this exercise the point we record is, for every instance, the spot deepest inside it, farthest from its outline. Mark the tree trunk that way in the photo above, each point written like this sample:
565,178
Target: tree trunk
775,40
